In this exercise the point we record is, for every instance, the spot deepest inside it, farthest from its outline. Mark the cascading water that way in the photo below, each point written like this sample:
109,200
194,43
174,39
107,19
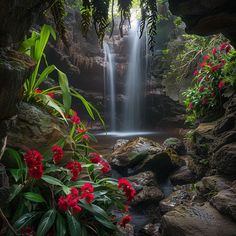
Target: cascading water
134,83
110,78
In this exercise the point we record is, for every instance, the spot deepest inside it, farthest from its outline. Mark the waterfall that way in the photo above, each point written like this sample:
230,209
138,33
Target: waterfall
110,78
134,83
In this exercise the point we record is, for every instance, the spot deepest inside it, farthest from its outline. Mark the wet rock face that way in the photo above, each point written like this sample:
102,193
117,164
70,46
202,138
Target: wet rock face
35,129
196,220
16,19
207,17
176,144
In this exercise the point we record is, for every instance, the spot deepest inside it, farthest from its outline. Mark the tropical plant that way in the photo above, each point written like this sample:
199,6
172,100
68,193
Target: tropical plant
62,193
212,82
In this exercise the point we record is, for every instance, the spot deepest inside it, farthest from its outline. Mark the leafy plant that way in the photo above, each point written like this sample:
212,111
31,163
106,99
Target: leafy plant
211,83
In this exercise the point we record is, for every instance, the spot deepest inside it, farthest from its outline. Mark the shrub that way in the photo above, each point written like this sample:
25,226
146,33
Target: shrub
212,81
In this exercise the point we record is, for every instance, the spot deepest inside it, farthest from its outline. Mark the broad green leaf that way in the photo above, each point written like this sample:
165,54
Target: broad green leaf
63,81
60,225
17,173
52,180
46,222
26,219
105,222
34,197
73,225
14,154
96,210
16,190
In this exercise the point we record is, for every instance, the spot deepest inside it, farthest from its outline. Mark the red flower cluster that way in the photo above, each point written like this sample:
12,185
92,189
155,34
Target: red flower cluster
57,153
75,119
221,85
97,159
27,231
75,168
87,189
127,188
51,94
33,161
125,220
81,131
85,137
70,202
37,90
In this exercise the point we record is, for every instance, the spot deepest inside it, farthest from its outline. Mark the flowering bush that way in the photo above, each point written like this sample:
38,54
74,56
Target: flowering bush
210,83
55,196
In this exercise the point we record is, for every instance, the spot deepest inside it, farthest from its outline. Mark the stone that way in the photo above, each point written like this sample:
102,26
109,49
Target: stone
224,160
128,230
176,144
225,202
37,129
151,229
214,184
178,197
204,133
119,143
140,155
196,220
207,17
183,176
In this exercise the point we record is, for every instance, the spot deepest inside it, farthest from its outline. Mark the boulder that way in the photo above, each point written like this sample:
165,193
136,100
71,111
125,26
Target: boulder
224,160
141,155
151,230
225,202
196,220
176,144
146,187
119,143
36,129
178,197
183,176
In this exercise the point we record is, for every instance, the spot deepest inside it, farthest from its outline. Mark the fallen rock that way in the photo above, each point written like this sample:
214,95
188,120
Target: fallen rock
204,220
225,202
183,176
36,129
176,144
141,155
151,230
224,160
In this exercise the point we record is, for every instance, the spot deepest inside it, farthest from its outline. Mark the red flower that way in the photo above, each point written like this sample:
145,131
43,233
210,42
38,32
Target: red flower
57,153
199,79
96,158
201,89
190,105
125,220
51,94
126,209
216,67
27,232
33,160
196,72
89,197
75,119
214,51
105,167
85,137
127,188
206,58
213,94
225,46
221,85
37,90
87,188
75,169
203,64
70,201
81,131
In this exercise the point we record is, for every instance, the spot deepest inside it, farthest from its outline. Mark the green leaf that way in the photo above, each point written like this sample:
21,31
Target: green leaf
26,219
63,82
34,197
46,222
17,173
52,180
74,225
16,190
14,154
96,210
60,225
105,222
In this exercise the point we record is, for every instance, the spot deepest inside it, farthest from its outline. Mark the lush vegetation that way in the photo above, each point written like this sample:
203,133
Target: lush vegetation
67,189
213,80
